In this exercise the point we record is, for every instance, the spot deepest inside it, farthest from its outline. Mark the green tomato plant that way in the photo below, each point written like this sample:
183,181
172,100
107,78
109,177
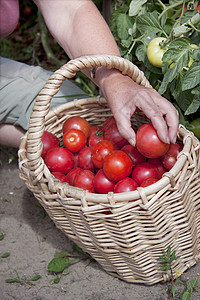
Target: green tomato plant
162,38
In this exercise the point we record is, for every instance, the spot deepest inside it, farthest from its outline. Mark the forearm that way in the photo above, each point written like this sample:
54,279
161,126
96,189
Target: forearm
80,30
78,27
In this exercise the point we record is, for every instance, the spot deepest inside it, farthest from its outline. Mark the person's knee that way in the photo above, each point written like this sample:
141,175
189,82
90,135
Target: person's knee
10,135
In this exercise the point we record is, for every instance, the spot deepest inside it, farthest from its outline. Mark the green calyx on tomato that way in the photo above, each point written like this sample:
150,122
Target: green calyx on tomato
155,50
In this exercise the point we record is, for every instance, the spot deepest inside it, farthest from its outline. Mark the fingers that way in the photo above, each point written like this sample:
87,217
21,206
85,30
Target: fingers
125,129
172,119
157,109
158,122
162,114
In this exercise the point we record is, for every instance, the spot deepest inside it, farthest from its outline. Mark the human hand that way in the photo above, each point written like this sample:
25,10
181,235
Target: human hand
125,97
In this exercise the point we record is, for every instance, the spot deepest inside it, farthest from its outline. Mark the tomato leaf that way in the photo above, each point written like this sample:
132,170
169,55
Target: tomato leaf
184,100
192,77
149,22
123,25
135,7
193,107
178,52
168,77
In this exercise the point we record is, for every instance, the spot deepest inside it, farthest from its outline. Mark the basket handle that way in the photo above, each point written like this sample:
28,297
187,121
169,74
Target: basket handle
52,86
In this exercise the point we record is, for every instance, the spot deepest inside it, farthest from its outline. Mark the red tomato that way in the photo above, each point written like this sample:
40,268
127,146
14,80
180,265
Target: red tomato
117,165
76,122
96,135
185,8
49,141
168,161
100,151
148,182
198,7
59,160
158,163
85,159
170,157
175,149
74,140
27,10
111,133
75,155
134,154
148,142
72,174
62,177
143,171
85,180
102,184
125,185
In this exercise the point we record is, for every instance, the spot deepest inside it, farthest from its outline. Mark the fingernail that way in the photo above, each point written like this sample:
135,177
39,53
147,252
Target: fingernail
174,140
132,142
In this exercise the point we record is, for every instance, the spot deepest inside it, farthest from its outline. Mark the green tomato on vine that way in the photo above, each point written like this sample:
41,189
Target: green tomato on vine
155,51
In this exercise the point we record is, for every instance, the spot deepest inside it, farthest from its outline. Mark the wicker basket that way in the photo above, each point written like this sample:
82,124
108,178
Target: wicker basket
127,242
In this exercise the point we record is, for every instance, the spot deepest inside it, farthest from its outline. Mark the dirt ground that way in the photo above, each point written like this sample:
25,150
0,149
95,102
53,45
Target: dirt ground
32,241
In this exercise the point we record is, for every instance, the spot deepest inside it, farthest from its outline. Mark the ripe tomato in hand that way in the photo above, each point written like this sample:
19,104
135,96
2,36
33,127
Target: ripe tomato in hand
102,184
72,174
125,185
100,151
85,180
148,142
158,163
85,159
62,177
74,140
76,122
111,133
96,135
117,165
49,141
143,171
134,154
59,160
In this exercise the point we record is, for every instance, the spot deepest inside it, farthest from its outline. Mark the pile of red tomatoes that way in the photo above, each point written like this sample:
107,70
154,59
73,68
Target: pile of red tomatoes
100,160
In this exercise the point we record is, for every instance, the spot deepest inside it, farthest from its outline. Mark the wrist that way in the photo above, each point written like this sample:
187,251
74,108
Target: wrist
102,75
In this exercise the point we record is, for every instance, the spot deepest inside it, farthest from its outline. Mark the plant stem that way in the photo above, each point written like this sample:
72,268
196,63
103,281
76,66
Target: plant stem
172,283
171,6
162,4
134,42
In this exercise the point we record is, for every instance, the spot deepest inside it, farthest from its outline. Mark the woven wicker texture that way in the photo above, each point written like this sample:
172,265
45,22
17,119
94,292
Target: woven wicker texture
124,232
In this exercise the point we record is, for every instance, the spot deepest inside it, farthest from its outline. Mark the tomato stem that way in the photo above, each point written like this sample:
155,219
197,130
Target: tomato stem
162,4
172,6
134,42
